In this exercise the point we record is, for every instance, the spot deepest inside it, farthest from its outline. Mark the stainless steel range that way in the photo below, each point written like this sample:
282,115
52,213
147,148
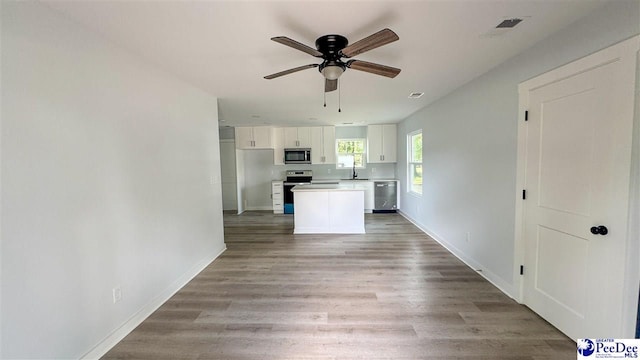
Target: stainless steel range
294,177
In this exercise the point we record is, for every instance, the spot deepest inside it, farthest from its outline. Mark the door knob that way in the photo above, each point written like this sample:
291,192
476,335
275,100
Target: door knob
602,230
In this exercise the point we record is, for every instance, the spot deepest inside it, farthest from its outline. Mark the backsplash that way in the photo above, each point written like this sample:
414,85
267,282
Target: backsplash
322,172
259,164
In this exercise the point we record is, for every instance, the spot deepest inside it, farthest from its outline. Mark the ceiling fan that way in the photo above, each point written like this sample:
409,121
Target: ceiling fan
332,48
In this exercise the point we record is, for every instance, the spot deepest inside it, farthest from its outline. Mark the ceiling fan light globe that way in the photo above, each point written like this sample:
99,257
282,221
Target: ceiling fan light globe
332,72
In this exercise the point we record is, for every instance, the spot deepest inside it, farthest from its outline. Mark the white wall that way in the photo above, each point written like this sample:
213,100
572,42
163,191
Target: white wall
110,177
469,145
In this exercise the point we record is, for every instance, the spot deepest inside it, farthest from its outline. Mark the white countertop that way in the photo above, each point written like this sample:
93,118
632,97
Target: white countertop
333,181
328,187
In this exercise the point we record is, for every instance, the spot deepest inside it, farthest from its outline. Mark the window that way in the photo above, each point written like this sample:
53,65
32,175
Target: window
414,162
350,150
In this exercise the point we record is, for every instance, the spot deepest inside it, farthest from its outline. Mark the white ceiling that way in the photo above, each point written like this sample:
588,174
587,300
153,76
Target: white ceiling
223,47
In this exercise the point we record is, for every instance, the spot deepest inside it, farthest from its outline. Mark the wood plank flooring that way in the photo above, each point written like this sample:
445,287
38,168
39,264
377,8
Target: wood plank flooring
393,293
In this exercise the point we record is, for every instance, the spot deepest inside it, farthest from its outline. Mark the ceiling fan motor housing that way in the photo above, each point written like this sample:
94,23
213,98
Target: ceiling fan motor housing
330,46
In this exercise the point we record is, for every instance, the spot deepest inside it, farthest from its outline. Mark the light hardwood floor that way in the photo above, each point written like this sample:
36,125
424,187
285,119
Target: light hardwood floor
393,293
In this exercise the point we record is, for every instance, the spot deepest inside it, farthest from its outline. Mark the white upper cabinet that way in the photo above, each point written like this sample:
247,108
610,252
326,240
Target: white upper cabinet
323,143
297,137
258,137
381,143
244,137
262,137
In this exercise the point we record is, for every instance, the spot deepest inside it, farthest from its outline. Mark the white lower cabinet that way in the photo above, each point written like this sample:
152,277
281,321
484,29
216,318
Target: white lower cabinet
369,196
277,197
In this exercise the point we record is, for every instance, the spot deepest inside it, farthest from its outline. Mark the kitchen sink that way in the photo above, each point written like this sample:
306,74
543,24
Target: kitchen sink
356,179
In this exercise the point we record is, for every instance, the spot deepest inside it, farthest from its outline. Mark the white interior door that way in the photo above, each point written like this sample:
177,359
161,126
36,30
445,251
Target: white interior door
578,160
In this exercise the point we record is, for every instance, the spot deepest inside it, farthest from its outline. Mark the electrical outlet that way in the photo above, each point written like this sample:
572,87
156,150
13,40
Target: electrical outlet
328,171
117,294
468,236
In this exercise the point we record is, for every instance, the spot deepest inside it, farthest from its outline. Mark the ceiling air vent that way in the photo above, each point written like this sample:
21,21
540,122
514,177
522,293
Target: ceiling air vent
509,23
415,95
502,28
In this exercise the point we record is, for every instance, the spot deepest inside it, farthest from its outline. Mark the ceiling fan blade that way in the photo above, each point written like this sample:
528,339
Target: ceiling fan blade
286,72
378,39
330,85
373,68
297,45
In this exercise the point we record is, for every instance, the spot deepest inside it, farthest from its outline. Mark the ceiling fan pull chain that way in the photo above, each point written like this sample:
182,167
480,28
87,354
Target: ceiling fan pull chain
339,106
325,99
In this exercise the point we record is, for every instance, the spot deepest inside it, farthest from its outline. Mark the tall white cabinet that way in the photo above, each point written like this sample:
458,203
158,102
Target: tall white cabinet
278,146
381,143
323,145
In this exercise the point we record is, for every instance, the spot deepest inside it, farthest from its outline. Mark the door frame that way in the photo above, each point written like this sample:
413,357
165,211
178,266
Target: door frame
626,51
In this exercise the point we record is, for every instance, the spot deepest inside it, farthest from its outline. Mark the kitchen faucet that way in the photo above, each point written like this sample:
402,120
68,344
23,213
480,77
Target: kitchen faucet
354,175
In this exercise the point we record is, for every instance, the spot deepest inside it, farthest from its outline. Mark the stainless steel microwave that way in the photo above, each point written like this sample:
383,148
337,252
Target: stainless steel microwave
297,156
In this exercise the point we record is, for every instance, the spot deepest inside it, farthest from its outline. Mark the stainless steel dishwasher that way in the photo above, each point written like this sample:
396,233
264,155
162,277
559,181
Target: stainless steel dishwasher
385,196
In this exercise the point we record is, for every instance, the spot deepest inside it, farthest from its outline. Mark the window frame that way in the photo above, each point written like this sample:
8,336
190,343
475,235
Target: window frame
364,153
411,163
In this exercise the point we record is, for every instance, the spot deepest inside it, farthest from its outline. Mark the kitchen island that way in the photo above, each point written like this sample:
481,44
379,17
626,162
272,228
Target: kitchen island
329,209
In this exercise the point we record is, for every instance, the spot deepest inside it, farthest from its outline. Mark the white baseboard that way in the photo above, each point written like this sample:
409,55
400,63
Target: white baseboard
118,334
325,230
494,279
259,208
